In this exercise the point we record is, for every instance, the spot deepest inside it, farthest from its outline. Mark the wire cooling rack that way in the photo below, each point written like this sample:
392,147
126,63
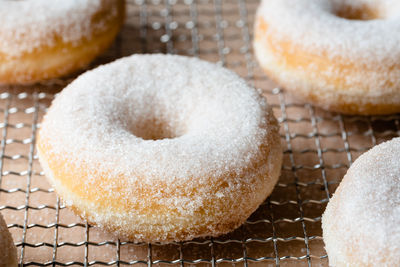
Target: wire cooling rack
285,231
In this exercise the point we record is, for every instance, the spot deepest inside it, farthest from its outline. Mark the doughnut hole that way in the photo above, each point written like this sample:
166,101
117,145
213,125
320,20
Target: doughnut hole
153,118
362,11
156,128
156,117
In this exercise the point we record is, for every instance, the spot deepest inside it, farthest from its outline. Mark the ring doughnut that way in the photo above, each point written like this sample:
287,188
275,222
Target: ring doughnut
8,252
43,39
341,55
161,148
361,222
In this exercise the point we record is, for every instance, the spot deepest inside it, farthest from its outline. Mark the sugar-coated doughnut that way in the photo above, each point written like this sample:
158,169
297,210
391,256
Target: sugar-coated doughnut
361,224
41,39
341,55
161,148
8,252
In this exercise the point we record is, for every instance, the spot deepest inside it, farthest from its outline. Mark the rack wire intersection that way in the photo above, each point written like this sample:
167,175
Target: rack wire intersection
285,231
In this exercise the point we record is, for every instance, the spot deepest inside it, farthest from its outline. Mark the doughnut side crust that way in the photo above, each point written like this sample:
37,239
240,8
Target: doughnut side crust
347,81
146,220
206,181
53,55
360,223
8,252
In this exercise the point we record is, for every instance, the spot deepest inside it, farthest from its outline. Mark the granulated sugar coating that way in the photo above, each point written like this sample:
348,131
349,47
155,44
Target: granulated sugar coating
361,222
161,148
42,39
317,26
8,252
30,24
342,55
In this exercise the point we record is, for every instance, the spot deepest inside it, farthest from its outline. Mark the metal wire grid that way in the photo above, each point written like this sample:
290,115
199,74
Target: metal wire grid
285,230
